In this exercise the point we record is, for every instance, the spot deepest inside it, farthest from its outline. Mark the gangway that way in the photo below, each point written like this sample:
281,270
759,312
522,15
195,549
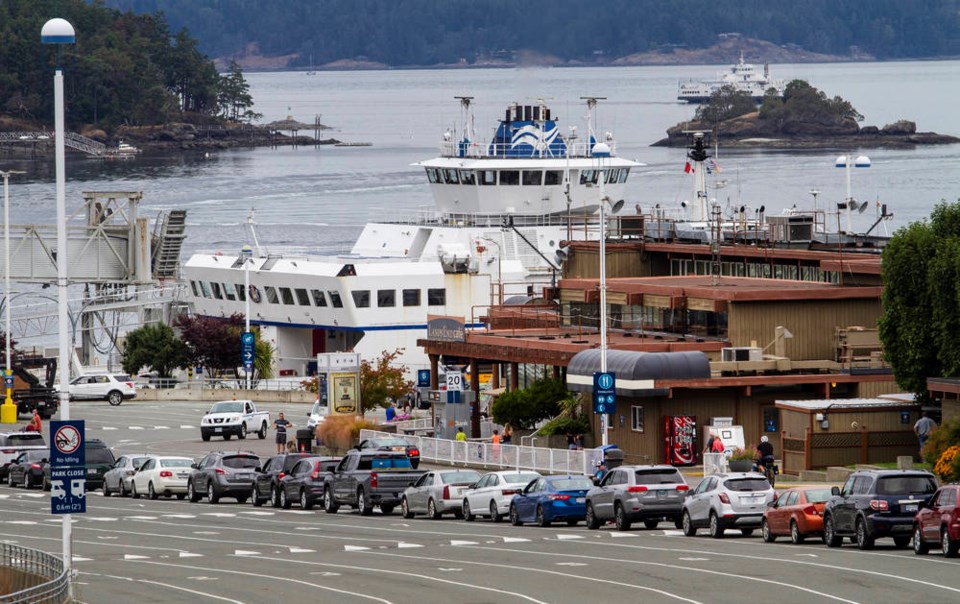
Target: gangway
70,139
168,236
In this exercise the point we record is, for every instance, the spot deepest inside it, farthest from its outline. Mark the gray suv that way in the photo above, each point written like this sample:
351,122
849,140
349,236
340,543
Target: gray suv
736,500
631,493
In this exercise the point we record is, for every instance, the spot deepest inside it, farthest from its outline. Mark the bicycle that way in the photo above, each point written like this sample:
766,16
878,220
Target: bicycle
770,471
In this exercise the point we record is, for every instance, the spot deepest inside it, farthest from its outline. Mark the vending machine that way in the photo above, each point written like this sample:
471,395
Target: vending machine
680,439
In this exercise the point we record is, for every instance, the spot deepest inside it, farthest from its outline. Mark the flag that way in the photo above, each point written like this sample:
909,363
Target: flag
688,168
714,166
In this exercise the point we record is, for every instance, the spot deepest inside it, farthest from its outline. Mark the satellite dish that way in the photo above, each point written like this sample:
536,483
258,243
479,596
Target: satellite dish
616,206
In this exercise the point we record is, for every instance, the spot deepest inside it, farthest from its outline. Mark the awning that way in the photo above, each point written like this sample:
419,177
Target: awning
636,372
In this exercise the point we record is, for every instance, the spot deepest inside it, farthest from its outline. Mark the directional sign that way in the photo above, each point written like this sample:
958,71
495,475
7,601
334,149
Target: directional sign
68,472
247,352
604,392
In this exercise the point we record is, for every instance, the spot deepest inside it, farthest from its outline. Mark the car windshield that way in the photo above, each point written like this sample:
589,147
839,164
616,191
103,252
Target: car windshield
665,476
459,477
35,455
227,407
138,461
817,495
520,477
175,463
747,484
292,460
572,484
906,485
26,439
241,462
99,455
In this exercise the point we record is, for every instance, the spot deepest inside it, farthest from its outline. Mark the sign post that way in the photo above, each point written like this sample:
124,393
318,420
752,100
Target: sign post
68,471
604,392
248,353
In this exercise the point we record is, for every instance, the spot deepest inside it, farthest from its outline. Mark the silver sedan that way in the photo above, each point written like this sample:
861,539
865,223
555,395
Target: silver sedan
437,493
118,479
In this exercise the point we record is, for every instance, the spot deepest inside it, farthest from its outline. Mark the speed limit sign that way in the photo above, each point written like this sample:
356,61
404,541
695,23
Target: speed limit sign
454,380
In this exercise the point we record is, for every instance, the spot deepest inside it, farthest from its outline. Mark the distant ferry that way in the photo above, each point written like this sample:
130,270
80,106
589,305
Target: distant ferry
743,76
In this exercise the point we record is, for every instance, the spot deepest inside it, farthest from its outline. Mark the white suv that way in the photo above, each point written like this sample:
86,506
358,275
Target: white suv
113,388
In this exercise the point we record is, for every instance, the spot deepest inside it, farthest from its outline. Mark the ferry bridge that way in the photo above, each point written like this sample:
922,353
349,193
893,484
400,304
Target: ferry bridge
70,139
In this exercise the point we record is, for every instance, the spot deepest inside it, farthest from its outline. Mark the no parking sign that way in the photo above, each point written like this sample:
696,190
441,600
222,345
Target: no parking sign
68,470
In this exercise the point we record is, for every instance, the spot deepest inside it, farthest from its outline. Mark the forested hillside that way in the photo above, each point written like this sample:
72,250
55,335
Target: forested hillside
433,32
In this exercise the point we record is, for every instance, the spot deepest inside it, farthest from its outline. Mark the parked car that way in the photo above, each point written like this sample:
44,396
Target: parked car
110,387
364,479
304,483
118,478
99,460
551,498
27,469
797,513
733,500
438,493
877,503
939,523
223,474
266,483
162,475
13,444
630,493
492,494
234,418
392,444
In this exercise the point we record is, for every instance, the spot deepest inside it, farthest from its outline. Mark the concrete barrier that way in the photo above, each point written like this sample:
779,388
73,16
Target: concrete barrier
223,394
838,474
813,476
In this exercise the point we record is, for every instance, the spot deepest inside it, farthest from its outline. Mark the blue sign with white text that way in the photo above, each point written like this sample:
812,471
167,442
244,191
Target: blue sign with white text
604,392
423,378
68,470
247,351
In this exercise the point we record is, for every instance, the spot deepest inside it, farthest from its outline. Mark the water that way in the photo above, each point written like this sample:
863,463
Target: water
318,198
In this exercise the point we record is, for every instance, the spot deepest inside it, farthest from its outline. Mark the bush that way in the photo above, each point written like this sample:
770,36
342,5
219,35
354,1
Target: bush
948,466
524,408
944,437
566,425
341,431
743,454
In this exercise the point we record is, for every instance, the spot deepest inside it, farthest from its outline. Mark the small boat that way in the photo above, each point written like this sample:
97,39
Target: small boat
744,77
126,149
353,145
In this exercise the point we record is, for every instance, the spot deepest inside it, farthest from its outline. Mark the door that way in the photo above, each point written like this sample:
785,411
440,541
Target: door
527,501
779,517
846,511
142,477
417,498
476,496
602,500
699,504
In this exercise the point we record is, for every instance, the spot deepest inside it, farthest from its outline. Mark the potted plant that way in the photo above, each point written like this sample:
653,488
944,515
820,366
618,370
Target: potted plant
741,459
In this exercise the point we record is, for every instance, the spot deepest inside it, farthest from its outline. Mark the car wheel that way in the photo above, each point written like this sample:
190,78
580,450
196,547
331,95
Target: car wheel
274,496
542,518
651,524
591,519
432,512
948,545
901,542
104,489
243,432
830,536
212,496
467,514
305,502
192,494
620,518
688,529
285,502
329,505
864,540
796,537
363,506
495,512
262,433
114,397
514,516
716,528
133,491
920,547
27,481
151,492
255,499
123,489
204,436
768,537
405,509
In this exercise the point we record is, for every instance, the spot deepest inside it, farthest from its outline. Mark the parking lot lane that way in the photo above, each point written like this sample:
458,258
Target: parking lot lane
137,589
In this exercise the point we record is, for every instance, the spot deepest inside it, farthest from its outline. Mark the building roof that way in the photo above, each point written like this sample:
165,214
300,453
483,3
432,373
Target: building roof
636,371
844,404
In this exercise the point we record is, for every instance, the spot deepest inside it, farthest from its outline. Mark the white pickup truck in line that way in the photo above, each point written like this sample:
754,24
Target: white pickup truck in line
228,418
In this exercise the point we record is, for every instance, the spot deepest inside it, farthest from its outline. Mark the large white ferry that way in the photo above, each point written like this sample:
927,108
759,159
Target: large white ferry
502,211
742,76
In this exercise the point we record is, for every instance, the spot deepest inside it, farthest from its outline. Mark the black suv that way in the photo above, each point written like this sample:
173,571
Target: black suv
875,504
223,474
99,460
267,480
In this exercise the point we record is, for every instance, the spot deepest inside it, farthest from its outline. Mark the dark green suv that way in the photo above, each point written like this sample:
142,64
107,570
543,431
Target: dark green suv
99,459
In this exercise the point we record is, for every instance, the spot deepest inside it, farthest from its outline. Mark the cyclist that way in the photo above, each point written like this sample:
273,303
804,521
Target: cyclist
764,456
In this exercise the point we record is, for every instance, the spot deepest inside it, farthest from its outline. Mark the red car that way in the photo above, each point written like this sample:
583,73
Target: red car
797,513
938,523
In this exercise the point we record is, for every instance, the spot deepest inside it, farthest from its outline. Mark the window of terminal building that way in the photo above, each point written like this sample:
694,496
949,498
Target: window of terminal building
217,292
487,177
510,177
436,297
532,178
287,295
318,298
193,286
361,298
552,177
771,419
386,298
302,298
411,297
241,292
228,292
335,300
468,177
636,418
272,296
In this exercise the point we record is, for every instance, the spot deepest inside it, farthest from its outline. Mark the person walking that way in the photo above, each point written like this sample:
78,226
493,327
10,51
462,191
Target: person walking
495,440
280,425
924,427
507,434
461,435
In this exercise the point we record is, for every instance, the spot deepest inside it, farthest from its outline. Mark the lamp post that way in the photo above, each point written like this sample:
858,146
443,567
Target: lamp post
602,151
246,252
499,266
8,411
843,161
59,31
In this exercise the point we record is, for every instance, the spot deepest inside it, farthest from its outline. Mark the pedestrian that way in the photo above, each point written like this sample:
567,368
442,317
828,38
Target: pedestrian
280,425
571,442
495,439
391,412
461,436
601,471
507,434
35,425
578,441
924,427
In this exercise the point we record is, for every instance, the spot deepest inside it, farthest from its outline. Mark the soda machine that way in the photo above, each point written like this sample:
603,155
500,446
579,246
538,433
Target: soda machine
680,439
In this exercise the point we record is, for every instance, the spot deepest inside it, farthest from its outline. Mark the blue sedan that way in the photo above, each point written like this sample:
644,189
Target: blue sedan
551,498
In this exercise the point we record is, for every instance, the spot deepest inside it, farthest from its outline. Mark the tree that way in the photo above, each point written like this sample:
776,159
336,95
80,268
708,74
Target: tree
381,379
234,97
724,104
155,346
524,408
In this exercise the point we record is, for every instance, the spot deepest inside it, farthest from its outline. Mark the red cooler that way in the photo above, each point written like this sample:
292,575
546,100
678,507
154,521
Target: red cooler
680,439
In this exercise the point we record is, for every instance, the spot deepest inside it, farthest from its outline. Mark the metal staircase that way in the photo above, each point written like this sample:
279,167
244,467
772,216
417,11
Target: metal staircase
82,143
168,237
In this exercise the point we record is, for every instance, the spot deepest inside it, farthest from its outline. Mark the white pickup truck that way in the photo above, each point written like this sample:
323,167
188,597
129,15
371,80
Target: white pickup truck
227,418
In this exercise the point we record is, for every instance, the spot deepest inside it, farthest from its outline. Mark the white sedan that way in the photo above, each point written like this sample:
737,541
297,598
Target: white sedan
491,495
162,476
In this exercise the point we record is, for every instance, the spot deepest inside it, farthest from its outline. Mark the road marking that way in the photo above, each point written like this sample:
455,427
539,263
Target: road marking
568,537
450,570
134,427
202,578
8,497
219,514
299,512
403,545
23,522
571,564
399,524
811,555
184,516
140,518
135,557
245,552
325,573
161,427
190,591
259,513
300,550
79,559
102,519
34,495
515,540
206,532
190,555
672,533
186,427
107,537
693,559
354,548
109,428
621,535
458,542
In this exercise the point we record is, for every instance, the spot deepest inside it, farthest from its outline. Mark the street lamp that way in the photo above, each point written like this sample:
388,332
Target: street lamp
246,252
843,161
602,151
8,411
499,265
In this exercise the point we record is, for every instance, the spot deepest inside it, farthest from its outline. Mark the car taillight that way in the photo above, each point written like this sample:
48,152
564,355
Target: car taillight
724,498
129,384
373,480
220,471
811,511
510,491
558,497
281,475
131,472
316,472
8,451
413,453
35,466
879,505
166,474
640,489
683,487
446,491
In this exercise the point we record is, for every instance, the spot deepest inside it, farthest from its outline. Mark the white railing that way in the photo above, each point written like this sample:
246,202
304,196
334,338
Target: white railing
500,457
410,425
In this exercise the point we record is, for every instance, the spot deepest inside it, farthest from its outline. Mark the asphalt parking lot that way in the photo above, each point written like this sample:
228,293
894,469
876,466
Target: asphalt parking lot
174,551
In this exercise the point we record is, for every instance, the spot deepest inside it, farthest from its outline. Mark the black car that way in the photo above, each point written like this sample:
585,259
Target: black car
223,474
306,481
392,444
875,504
27,469
99,460
267,481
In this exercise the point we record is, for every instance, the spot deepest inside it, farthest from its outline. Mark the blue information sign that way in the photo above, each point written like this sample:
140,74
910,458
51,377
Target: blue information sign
604,392
423,378
247,351
8,381
68,471
454,397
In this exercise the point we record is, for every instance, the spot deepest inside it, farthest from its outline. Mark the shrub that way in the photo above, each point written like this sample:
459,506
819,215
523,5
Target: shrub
944,437
341,431
524,408
743,454
566,425
948,465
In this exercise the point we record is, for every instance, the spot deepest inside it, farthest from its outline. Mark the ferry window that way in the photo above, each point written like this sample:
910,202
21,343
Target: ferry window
624,172
552,177
287,295
588,176
436,297
361,298
432,175
386,298
216,290
302,298
467,177
272,297
509,177
450,177
204,289
318,298
532,178
411,297
228,292
335,299
613,176
241,293
193,286
488,177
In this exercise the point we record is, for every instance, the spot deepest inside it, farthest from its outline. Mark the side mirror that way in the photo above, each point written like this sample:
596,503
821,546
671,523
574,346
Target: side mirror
194,466
258,469
835,491
772,504
410,484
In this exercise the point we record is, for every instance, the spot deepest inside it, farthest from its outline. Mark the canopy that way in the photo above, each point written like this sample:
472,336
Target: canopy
636,371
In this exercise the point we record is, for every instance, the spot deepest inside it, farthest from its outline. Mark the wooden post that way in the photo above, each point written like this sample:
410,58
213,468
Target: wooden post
514,376
475,407
808,451
495,378
434,385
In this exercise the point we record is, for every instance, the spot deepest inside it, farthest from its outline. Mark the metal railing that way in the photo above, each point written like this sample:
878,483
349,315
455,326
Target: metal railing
500,457
29,576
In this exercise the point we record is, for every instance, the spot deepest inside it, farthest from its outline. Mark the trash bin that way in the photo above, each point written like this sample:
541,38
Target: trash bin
305,440
612,457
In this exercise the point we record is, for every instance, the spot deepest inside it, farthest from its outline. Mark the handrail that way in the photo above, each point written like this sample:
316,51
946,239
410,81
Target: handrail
32,576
